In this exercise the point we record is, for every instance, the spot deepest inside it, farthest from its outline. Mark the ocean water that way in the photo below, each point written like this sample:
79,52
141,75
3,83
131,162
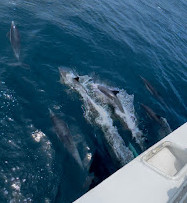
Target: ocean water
106,42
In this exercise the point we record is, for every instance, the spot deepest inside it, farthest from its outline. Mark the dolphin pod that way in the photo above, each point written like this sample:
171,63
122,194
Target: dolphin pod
115,145
112,97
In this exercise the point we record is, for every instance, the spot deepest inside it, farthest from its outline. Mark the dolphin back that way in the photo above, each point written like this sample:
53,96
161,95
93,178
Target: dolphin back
151,113
65,137
15,39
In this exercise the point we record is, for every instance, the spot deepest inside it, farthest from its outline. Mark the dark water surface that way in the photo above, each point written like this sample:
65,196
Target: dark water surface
114,42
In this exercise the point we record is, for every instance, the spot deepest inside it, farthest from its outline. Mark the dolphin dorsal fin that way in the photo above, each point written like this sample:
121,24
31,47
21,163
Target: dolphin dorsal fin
76,78
115,92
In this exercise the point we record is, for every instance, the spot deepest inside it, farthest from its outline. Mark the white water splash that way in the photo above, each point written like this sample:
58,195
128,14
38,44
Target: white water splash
88,157
16,185
164,128
37,135
15,194
46,146
129,117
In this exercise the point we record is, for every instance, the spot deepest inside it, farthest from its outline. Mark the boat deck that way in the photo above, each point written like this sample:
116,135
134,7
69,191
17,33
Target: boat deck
158,175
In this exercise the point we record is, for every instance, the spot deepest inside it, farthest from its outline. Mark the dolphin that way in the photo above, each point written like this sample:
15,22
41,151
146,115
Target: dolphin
150,88
152,114
66,77
165,128
65,137
63,73
70,79
116,103
153,91
112,95
15,40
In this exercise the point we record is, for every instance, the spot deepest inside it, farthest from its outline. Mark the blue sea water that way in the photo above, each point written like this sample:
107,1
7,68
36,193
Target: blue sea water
113,42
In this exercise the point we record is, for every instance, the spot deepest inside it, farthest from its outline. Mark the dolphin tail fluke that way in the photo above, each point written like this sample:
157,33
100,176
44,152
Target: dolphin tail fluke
15,64
19,64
